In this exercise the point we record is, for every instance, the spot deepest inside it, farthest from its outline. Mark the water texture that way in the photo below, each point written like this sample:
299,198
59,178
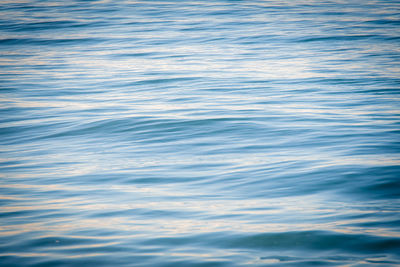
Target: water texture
199,133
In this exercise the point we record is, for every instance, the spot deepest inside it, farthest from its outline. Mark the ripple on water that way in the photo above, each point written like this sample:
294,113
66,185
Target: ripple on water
223,133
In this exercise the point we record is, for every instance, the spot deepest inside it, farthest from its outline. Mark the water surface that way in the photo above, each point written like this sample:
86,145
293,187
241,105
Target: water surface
199,133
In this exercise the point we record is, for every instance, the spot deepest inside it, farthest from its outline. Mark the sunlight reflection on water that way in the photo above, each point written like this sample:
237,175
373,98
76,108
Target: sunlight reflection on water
221,133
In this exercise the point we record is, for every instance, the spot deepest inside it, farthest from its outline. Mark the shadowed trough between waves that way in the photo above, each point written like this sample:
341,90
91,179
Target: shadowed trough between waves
199,133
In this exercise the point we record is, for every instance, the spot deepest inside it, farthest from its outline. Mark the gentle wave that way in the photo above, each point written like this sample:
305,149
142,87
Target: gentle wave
206,133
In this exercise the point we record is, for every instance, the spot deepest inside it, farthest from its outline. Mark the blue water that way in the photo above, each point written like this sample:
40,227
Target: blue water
200,133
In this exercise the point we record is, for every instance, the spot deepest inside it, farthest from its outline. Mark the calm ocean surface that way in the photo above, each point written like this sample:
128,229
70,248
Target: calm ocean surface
200,133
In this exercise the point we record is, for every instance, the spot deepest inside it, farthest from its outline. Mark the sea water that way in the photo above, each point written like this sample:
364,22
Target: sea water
199,133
